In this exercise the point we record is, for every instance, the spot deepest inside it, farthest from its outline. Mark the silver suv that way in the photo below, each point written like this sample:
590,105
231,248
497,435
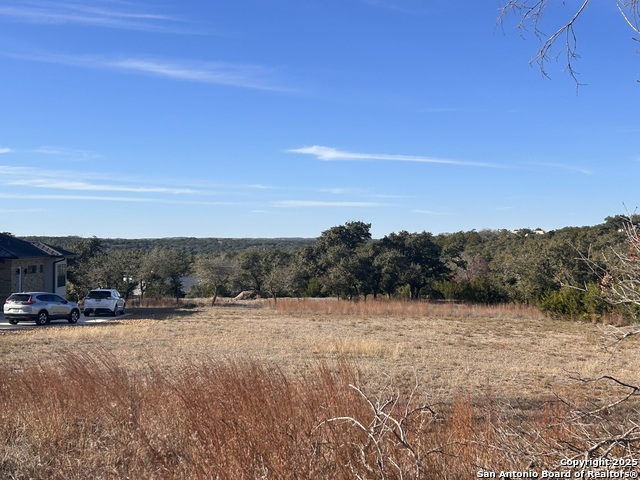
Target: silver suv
103,300
39,306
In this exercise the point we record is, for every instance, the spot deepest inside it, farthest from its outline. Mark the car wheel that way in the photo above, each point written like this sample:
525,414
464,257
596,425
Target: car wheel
115,311
74,316
13,321
42,318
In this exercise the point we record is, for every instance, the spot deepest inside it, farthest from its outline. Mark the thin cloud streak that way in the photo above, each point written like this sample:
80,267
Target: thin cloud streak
341,191
217,73
315,203
66,152
32,177
98,198
413,7
66,185
58,180
47,13
55,151
329,154
333,154
431,213
569,168
22,210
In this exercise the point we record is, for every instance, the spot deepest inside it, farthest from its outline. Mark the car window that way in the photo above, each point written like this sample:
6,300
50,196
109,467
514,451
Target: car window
57,298
19,297
44,298
99,294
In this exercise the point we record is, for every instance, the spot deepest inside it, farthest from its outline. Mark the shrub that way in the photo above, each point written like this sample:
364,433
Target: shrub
572,303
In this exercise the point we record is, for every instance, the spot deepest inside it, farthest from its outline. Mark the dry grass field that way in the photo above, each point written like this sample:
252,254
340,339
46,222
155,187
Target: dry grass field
312,389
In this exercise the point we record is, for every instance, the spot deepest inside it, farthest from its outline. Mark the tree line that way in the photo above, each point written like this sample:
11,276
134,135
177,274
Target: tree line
561,271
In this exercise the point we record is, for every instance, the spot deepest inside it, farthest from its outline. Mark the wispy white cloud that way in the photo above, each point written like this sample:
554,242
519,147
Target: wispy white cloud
249,76
569,168
60,180
101,14
240,75
333,154
22,210
317,203
404,6
7,171
55,151
100,198
72,182
66,152
390,196
441,110
341,191
74,185
430,212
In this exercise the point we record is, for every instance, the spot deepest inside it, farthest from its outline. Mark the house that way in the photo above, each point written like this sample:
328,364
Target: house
26,266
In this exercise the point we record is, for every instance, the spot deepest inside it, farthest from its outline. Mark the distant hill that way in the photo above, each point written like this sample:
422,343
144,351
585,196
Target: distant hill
195,245
190,244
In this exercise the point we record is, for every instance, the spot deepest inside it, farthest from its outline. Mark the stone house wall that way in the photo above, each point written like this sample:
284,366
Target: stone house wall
32,273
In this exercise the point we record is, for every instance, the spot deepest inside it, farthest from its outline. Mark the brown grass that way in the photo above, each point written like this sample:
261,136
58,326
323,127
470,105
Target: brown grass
302,390
395,308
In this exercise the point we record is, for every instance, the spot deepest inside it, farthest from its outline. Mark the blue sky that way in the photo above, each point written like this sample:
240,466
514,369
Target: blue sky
282,118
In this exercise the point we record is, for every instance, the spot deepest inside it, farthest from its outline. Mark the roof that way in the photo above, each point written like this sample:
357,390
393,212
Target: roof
12,248
54,251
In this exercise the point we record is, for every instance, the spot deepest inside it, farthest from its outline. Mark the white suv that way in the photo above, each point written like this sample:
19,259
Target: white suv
103,300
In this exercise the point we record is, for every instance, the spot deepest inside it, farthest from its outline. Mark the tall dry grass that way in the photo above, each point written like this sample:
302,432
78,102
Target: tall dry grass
399,308
92,418
380,390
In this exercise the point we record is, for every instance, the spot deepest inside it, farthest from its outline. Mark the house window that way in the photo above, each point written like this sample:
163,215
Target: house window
62,276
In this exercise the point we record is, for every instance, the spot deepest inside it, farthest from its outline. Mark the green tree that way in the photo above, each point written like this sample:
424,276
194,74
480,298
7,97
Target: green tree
278,273
214,271
617,269
162,271
79,272
388,266
521,264
343,260
252,269
417,260
304,272
117,269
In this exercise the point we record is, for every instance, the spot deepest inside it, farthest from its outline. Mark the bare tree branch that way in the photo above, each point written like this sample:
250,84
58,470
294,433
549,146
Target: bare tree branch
531,14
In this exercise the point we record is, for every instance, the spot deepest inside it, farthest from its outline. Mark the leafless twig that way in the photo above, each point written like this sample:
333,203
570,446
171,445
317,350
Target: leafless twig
531,14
